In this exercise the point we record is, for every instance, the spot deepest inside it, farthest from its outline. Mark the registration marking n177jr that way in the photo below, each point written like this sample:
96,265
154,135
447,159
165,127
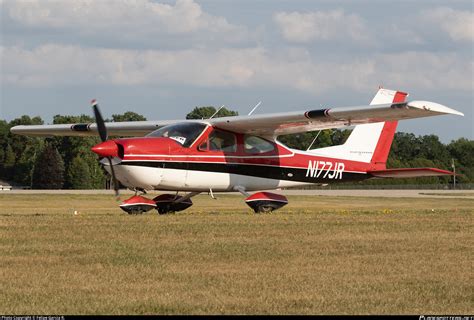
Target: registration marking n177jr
316,168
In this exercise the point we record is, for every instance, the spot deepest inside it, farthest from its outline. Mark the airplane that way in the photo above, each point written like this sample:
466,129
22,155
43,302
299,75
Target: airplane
242,153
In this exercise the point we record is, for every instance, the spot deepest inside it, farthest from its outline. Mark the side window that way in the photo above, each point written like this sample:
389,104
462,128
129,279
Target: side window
220,141
254,144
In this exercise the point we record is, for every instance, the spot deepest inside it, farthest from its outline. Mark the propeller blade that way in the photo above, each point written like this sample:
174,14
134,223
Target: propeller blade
99,121
114,179
103,136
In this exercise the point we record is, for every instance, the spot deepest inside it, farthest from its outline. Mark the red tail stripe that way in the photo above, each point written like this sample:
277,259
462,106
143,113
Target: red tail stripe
400,97
386,137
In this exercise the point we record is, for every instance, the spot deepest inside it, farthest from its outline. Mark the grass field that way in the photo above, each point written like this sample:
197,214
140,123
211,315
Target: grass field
318,255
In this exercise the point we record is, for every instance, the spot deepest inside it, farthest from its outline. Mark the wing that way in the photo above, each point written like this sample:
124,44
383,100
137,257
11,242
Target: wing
301,121
124,129
266,124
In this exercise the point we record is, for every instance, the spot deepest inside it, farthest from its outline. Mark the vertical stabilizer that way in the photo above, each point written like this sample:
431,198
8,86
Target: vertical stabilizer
382,149
368,143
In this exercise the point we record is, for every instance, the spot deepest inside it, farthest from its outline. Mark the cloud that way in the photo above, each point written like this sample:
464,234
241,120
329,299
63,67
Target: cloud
124,21
59,65
321,25
458,24
426,70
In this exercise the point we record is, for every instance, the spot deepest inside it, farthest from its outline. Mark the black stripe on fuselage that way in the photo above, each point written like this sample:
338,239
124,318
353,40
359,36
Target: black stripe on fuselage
259,171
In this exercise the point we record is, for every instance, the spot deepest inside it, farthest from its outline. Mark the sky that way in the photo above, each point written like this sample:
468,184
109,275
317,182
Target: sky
163,58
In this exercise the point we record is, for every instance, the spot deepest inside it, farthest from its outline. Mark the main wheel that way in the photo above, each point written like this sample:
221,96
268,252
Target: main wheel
164,210
264,209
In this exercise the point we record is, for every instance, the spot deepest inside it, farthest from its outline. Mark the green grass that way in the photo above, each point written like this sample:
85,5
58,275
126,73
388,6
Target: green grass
318,255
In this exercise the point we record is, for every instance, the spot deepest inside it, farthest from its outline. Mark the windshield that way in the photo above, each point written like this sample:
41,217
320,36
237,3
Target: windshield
183,133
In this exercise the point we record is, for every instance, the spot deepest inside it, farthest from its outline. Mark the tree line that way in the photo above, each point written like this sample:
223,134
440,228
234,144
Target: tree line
67,162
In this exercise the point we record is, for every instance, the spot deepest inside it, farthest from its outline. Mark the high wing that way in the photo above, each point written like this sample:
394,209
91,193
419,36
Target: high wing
270,125
293,122
124,129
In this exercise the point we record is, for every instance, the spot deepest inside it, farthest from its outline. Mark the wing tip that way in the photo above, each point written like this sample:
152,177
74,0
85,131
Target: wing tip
434,107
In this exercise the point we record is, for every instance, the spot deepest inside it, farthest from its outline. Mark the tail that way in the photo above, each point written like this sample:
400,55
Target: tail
369,143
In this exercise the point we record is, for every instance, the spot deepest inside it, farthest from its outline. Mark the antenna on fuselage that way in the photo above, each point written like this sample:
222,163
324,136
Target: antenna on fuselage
216,112
255,108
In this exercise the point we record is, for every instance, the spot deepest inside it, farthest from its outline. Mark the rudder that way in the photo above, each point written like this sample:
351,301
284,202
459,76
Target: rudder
382,149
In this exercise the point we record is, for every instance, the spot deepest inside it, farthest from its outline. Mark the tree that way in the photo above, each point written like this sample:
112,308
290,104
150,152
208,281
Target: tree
325,138
9,162
4,133
432,149
128,116
71,147
24,166
299,141
462,150
208,111
48,172
24,149
78,174
405,146
3,144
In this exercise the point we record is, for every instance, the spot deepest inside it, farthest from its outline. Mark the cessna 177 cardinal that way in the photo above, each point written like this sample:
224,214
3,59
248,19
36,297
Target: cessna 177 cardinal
242,153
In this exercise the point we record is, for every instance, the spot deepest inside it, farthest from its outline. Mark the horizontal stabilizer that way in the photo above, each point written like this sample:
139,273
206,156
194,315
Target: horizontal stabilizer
410,173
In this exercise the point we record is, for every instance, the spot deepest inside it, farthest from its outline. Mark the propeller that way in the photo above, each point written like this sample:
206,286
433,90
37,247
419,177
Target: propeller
103,137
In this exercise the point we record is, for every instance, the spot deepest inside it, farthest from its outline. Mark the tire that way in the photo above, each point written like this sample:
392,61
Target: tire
264,209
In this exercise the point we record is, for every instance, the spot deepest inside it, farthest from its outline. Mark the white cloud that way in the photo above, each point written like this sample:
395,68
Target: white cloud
321,25
123,20
53,65
458,24
427,70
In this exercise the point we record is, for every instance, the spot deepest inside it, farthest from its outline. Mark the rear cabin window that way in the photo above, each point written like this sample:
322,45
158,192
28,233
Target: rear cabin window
220,141
254,144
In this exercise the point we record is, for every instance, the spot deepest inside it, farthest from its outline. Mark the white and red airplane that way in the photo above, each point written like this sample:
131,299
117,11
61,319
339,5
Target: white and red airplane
242,153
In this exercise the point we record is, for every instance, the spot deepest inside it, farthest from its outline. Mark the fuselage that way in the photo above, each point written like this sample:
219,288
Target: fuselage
223,161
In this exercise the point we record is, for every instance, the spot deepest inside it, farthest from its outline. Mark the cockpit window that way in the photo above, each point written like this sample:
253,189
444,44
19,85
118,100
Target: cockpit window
254,144
220,141
183,133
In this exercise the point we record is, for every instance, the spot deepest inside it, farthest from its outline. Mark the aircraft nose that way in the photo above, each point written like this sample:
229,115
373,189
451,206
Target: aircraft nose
106,149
